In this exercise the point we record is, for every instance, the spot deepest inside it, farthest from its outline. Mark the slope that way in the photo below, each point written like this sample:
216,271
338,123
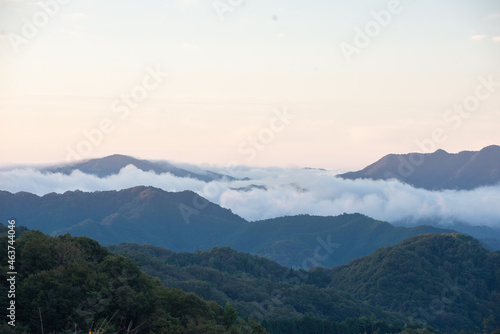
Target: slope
66,284
139,214
439,170
449,281
106,166
256,286
185,221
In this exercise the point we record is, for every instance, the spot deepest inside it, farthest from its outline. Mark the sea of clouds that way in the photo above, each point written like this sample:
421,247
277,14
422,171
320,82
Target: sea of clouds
289,191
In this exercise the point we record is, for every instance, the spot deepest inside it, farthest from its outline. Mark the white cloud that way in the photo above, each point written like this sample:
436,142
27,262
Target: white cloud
496,39
386,200
40,183
324,194
478,37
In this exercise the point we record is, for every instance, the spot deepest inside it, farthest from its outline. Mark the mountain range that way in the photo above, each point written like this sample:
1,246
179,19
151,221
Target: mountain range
110,165
184,221
440,170
431,283
448,281
295,274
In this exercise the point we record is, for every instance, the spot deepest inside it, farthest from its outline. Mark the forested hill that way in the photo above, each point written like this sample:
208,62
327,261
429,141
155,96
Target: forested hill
184,221
293,241
256,286
72,284
448,281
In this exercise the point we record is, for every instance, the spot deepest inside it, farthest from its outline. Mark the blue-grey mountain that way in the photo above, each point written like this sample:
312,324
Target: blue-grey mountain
437,171
112,164
184,221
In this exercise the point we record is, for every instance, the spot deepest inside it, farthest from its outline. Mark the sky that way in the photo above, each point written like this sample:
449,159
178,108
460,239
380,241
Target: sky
330,84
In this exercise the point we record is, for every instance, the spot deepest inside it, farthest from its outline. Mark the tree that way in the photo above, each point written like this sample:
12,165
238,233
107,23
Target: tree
229,315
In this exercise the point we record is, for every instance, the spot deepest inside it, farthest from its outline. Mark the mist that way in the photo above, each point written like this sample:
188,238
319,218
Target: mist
288,191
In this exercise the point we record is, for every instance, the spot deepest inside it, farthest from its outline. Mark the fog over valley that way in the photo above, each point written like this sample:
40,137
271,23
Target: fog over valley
275,192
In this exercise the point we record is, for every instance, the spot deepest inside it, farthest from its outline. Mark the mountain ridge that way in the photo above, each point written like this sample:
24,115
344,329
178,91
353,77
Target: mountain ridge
448,281
452,269
184,221
112,164
465,170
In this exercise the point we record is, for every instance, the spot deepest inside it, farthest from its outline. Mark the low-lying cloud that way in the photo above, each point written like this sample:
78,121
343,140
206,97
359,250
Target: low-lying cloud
288,192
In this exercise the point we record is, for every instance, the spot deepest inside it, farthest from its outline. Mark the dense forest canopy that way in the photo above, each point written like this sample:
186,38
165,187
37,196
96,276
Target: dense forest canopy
66,283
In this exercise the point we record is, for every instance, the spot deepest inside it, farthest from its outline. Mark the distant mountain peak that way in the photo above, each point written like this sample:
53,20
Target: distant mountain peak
441,151
118,156
113,164
491,148
439,170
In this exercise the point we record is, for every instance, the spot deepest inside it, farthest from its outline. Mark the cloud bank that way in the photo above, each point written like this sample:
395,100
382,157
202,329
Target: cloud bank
288,192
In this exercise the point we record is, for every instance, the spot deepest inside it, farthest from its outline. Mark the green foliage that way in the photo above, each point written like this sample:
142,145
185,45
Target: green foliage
448,281
307,325
73,282
229,316
256,287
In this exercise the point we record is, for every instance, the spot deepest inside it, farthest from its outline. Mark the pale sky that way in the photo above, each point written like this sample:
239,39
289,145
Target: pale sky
233,66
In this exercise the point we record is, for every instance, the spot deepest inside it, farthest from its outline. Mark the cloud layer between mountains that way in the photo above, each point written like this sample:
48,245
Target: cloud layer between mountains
287,192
